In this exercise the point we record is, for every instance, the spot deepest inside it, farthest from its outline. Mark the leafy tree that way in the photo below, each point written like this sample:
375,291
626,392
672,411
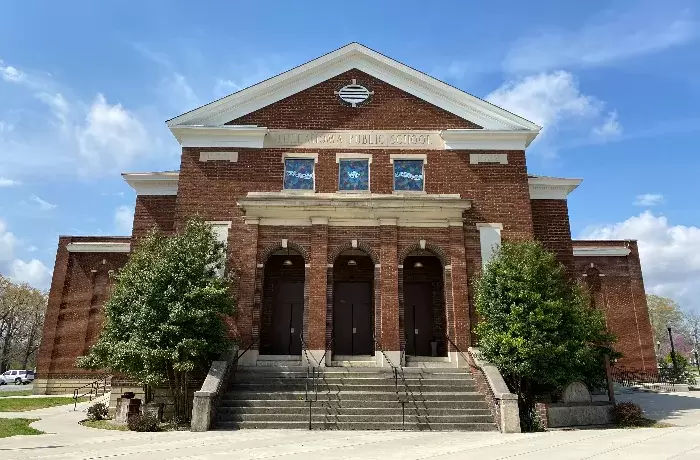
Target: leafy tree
680,372
164,318
665,312
22,310
536,325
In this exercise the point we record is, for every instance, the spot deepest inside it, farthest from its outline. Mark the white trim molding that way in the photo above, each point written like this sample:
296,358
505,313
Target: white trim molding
98,246
358,210
408,156
153,183
353,156
353,56
602,251
551,188
487,139
231,157
220,136
300,156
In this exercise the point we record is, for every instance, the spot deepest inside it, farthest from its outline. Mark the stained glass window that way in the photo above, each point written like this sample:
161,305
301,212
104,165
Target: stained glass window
408,175
299,174
353,175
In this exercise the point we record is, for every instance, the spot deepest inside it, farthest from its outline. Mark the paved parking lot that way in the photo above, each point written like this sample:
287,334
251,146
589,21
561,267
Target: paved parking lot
70,440
10,387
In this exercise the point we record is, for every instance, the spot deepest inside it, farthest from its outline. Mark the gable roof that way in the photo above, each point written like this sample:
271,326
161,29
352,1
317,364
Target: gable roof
354,56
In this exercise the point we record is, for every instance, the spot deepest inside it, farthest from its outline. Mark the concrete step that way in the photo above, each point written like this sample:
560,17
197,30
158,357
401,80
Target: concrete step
394,410
295,404
360,426
344,388
349,396
411,417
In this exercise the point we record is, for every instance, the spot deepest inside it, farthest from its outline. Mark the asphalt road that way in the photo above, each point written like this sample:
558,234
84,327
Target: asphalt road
12,387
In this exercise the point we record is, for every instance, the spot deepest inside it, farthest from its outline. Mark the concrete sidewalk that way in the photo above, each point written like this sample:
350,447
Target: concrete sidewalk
70,440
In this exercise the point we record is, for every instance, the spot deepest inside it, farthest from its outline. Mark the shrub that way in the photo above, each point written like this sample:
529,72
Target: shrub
628,414
143,423
97,412
682,373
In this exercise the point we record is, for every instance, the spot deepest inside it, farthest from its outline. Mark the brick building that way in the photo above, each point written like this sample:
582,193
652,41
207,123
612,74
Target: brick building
359,199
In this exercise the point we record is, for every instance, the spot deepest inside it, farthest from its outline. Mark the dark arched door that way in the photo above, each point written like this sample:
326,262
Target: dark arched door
283,305
352,318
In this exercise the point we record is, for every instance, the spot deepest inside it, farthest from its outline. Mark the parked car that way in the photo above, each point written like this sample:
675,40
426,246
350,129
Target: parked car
18,377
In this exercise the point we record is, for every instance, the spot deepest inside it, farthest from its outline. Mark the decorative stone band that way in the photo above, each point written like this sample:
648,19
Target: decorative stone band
261,137
602,251
365,210
98,246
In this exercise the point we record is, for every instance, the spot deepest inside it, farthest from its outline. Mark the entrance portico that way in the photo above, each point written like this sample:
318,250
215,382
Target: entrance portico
370,258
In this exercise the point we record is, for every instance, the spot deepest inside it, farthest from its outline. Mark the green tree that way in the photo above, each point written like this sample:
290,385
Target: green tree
536,325
664,313
164,317
22,310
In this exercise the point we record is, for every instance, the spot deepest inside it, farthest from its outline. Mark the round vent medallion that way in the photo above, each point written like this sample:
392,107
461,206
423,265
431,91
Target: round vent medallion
354,94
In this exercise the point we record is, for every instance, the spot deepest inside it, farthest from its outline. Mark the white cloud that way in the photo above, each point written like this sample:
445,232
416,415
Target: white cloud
224,87
6,182
34,273
609,129
176,90
58,104
124,219
620,35
545,98
670,254
110,137
43,204
8,241
9,73
648,199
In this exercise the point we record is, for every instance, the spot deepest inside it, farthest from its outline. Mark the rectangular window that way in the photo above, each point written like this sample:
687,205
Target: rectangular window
299,173
408,175
353,174
220,229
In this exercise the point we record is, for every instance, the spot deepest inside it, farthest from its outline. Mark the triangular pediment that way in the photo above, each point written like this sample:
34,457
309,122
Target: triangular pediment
355,56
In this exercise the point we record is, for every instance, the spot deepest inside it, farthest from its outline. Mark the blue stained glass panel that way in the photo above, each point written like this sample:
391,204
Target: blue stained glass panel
299,174
408,175
353,175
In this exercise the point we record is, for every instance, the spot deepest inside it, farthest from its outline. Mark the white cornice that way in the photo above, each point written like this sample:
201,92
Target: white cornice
551,188
602,251
485,139
344,209
366,60
98,246
219,136
153,183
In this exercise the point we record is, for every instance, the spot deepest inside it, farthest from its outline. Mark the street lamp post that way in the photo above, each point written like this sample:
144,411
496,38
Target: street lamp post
673,352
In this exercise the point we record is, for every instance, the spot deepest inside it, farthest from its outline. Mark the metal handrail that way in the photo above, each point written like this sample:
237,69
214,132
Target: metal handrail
407,389
94,388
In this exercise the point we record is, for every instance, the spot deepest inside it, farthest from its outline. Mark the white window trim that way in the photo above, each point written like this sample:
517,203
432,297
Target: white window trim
355,156
483,227
407,156
227,224
298,156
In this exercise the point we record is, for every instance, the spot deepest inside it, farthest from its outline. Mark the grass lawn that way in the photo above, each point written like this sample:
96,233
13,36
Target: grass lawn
5,394
104,425
16,426
23,404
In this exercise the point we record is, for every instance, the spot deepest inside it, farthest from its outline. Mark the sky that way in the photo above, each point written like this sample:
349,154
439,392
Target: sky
86,87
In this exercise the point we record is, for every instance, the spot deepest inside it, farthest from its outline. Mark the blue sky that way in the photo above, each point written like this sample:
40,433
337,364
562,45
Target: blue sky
85,88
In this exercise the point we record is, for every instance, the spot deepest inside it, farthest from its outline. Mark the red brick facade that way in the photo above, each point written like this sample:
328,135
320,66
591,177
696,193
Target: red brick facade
498,193
617,289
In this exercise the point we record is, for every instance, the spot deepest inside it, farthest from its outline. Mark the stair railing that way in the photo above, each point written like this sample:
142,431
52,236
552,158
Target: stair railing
398,372
310,395
90,390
